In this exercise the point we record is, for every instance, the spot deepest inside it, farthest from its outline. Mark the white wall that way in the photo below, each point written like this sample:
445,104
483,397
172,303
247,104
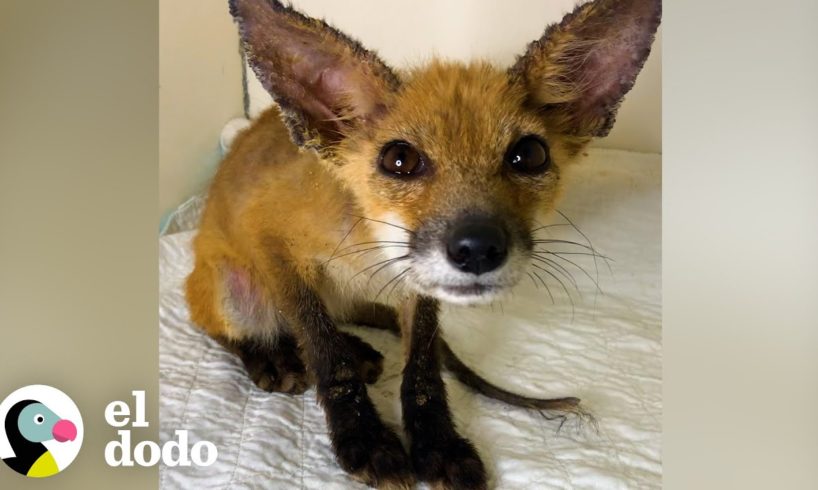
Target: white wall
200,89
200,66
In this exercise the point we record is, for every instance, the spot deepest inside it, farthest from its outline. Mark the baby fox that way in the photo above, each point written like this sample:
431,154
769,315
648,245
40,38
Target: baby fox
368,196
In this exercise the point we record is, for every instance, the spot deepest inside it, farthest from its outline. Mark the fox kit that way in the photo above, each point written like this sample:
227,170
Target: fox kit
369,196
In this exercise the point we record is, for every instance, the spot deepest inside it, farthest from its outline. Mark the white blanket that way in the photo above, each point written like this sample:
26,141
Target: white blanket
606,349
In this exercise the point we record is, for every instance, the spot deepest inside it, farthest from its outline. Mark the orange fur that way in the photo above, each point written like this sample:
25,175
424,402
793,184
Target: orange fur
293,241
271,204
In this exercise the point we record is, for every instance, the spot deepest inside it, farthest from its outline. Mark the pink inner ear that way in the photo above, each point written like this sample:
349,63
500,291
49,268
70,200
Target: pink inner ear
319,77
295,69
611,67
336,80
584,66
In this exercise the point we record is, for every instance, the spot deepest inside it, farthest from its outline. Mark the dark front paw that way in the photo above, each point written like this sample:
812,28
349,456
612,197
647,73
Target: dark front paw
364,446
448,462
376,457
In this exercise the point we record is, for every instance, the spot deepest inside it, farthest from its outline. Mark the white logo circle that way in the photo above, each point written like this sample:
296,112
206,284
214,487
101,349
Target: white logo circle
41,431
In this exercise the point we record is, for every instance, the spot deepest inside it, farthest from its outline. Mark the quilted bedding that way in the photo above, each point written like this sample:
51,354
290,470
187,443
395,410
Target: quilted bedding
600,344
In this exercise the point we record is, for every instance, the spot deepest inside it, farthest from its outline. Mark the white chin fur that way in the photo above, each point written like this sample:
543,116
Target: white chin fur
432,274
463,299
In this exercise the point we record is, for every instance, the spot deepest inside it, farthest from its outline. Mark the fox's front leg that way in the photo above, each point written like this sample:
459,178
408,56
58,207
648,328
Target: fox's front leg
439,454
363,445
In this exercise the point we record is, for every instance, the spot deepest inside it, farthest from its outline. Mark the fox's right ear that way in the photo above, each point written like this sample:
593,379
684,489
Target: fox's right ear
325,83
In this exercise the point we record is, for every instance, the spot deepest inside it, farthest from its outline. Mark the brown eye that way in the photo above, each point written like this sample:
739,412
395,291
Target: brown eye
402,159
529,155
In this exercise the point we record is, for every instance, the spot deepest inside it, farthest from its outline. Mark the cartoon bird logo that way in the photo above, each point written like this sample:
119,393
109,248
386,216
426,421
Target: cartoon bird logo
28,424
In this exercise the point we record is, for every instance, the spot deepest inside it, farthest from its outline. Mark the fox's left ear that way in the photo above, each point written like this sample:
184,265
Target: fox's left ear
577,73
325,83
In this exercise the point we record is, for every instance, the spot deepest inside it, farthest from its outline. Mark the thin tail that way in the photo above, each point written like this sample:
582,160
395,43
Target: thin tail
468,377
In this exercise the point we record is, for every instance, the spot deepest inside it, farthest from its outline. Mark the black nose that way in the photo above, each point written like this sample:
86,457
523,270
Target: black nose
477,246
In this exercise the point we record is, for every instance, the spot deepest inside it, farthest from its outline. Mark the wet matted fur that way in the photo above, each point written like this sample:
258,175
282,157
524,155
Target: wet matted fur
306,226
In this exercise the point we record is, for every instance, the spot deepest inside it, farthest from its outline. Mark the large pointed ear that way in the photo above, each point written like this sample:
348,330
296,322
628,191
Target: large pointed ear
324,82
578,72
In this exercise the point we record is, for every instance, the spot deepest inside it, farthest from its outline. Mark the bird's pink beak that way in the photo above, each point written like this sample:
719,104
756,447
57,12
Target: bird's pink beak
64,430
